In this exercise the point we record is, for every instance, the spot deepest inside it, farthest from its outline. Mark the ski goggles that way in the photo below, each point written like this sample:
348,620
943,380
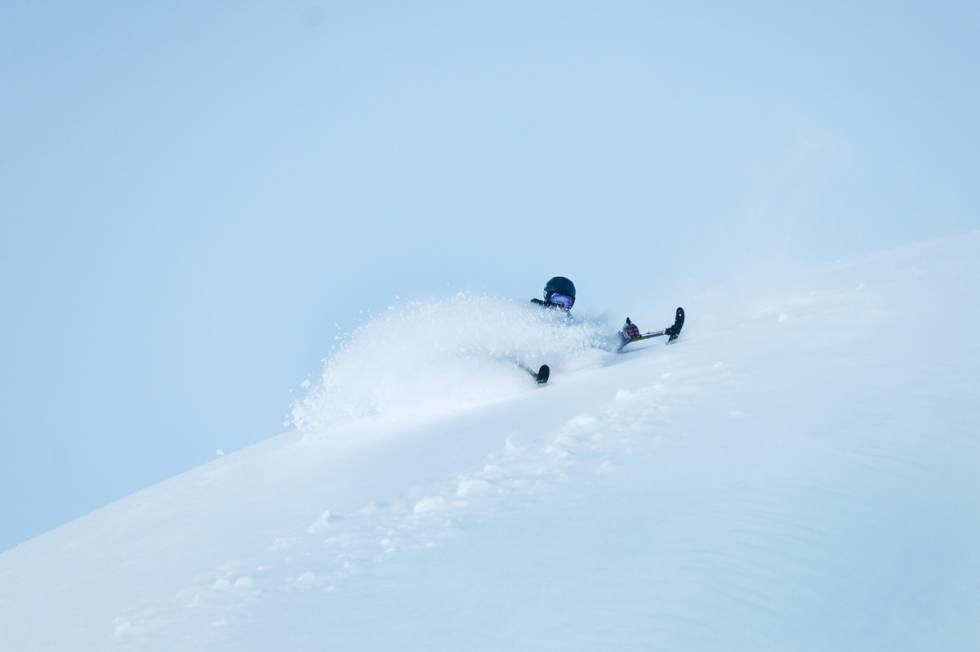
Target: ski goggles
562,301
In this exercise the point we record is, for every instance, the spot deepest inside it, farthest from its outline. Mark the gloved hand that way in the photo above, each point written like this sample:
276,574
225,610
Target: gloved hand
630,331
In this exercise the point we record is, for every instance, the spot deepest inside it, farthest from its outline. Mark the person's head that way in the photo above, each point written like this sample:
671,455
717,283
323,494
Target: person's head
560,293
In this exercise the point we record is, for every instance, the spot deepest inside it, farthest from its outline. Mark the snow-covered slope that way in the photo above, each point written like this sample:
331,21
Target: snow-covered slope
799,473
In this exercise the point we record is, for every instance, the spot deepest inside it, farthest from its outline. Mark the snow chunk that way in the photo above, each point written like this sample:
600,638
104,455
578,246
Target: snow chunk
472,487
605,467
279,544
321,523
583,422
306,581
244,583
389,545
430,505
368,509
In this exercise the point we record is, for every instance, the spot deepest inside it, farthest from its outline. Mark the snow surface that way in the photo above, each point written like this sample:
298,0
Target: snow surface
800,472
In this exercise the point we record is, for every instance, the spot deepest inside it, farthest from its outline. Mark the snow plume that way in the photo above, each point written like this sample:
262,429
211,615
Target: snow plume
434,356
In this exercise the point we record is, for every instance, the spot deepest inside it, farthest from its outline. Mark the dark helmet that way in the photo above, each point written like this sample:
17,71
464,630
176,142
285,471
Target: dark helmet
562,286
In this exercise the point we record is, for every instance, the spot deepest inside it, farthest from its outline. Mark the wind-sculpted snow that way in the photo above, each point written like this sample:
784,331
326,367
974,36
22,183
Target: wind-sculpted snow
431,357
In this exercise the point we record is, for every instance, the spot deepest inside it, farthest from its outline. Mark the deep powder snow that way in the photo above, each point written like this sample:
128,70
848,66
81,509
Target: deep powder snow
798,473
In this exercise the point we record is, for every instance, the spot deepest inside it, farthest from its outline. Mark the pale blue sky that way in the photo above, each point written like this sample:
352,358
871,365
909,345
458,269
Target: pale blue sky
195,196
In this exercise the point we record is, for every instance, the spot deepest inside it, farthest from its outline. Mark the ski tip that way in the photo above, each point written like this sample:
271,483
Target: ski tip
544,373
674,331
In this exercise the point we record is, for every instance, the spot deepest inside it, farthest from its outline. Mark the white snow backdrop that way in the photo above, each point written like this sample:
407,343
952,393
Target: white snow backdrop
200,201
799,472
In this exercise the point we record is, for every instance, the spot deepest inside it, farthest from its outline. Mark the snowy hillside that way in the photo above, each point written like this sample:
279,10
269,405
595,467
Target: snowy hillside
800,472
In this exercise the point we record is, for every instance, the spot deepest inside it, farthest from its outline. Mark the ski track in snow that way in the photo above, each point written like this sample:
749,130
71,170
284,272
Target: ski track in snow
336,546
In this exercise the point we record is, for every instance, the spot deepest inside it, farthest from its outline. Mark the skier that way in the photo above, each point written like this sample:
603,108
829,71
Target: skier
559,294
